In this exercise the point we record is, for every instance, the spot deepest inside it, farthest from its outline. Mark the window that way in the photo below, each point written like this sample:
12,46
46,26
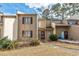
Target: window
27,34
72,22
27,20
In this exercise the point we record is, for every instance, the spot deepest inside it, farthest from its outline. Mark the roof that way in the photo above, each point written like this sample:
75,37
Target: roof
20,12
62,25
13,15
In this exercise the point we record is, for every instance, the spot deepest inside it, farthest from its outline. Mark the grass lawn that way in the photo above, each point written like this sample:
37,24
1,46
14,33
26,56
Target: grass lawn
45,49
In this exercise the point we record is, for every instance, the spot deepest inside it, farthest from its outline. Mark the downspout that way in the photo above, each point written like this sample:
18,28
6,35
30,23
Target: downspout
37,26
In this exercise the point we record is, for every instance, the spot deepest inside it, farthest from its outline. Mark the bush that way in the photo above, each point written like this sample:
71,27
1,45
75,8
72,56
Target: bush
5,43
34,42
13,44
53,37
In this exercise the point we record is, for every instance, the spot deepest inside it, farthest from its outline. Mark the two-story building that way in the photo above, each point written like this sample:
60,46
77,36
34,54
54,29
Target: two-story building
64,29
20,26
25,27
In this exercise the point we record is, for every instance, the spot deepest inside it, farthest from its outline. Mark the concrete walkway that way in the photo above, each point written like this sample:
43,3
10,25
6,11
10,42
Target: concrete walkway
69,41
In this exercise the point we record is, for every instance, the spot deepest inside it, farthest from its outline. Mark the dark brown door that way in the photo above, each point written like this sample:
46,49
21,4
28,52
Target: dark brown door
65,34
42,34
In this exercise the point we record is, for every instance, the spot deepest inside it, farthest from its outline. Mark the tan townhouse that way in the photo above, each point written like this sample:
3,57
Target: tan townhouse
25,27
18,26
65,29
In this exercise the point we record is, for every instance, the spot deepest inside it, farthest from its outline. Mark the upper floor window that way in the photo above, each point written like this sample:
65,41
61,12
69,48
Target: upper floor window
27,20
72,22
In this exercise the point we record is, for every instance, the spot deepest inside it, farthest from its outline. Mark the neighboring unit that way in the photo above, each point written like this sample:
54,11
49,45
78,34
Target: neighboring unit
64,29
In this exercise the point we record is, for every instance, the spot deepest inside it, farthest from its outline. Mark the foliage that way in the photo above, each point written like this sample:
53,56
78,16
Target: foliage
53,37
61,11
34,42
46,13
5,43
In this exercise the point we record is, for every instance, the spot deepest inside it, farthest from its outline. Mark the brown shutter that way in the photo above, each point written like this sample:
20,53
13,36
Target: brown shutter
31,20
23,33
31,33
23,20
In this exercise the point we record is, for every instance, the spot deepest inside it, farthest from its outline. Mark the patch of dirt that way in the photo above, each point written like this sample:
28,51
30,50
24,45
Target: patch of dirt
45,49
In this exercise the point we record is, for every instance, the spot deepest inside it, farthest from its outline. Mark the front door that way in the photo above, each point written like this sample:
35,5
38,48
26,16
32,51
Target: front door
42,34
65,34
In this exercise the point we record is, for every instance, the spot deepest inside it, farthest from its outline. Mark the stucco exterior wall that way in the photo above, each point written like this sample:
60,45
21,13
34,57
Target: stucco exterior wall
74,32
42,23
8,26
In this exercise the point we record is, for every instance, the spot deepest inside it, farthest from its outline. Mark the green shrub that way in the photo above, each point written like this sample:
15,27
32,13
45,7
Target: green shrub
53,37
5,43
34,42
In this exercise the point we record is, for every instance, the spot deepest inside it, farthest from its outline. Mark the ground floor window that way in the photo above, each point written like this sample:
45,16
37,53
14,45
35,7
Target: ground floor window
27,34
42,34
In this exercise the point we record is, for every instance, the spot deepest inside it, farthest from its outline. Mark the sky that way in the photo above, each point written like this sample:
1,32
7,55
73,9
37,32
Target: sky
23,7
10,8
37,4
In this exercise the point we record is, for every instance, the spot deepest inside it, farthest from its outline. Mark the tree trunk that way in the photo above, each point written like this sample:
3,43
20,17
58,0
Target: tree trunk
62,15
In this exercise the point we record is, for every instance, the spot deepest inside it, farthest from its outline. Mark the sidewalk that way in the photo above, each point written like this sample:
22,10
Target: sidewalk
69,41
